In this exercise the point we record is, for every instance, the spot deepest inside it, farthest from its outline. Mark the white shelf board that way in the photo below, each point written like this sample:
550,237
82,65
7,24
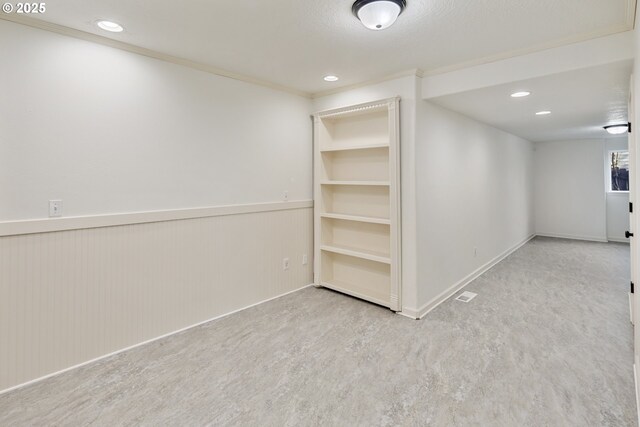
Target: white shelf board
358,253
371,183
372,220
348,289
354,147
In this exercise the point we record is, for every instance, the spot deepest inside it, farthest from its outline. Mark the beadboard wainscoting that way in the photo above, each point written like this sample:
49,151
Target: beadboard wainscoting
70,296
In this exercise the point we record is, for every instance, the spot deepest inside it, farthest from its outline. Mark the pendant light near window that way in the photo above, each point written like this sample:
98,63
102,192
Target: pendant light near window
378,14
617,129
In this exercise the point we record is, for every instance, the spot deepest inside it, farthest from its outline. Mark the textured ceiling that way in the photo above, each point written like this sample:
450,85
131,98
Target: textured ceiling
294,43
581,102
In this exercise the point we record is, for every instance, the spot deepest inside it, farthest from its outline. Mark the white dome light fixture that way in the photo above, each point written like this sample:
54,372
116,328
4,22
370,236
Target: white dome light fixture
111,26
617,129
378,14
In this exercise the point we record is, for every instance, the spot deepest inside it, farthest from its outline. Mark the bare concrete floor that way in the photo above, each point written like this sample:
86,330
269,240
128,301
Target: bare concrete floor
547,342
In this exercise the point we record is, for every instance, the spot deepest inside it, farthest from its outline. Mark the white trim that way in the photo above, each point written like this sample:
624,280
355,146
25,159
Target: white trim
615,48
381,104
145,342
409,313
617,240
615,29
573,237
635,381
46,225
415,314
95,38
117,44
631,13
453,289
406,73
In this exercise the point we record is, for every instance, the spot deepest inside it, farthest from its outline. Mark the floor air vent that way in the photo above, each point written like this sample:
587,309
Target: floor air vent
466,296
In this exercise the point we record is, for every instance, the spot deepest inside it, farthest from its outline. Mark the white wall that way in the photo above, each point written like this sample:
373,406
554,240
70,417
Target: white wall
71,296
617,202
112,132
407,88
570,195
109,131
446,215
474,198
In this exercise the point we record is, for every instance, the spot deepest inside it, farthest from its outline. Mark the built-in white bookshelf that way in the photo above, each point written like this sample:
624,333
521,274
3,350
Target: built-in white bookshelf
357,201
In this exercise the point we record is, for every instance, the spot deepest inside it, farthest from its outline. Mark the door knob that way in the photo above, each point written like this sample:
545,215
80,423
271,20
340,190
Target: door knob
627,234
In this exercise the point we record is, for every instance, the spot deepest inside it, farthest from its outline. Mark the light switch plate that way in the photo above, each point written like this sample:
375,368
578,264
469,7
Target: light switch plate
55,208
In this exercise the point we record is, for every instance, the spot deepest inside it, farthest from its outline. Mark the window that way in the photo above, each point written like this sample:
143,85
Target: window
619,164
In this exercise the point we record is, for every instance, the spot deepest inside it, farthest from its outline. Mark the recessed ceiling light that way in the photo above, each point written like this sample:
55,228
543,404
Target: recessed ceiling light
378,14
110,26
543,113
617,129
520,94
330,78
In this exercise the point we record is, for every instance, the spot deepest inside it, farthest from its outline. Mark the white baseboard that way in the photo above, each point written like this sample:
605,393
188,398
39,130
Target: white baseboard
573,237
618,240
635,382
410,313
453,289
13,388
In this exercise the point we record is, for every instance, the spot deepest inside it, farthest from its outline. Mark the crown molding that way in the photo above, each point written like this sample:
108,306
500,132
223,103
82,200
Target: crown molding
117,44
406,73
632,6
630,20
616,29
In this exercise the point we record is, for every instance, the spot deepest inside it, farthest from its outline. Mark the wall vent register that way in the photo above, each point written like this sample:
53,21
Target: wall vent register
466,296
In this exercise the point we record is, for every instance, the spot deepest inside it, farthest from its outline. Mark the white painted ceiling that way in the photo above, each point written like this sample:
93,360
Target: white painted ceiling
295,43
581,102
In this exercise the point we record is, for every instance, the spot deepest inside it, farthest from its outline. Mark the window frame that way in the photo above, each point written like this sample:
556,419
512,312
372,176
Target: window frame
608,171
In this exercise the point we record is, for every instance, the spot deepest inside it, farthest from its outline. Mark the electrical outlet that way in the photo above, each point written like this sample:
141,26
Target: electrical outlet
285,196
55,208
305,259
285,264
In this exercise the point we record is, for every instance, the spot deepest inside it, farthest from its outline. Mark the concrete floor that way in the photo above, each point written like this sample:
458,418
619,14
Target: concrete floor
547,342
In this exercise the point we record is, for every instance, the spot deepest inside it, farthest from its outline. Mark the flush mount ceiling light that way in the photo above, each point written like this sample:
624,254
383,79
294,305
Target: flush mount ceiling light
378,14
520,94
617,129
330,78
543,113
110,26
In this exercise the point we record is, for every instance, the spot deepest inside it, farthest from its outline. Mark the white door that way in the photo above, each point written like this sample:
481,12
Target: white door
632,206
634,180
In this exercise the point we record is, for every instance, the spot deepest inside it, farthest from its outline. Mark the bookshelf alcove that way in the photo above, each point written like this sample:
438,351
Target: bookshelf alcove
357,201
